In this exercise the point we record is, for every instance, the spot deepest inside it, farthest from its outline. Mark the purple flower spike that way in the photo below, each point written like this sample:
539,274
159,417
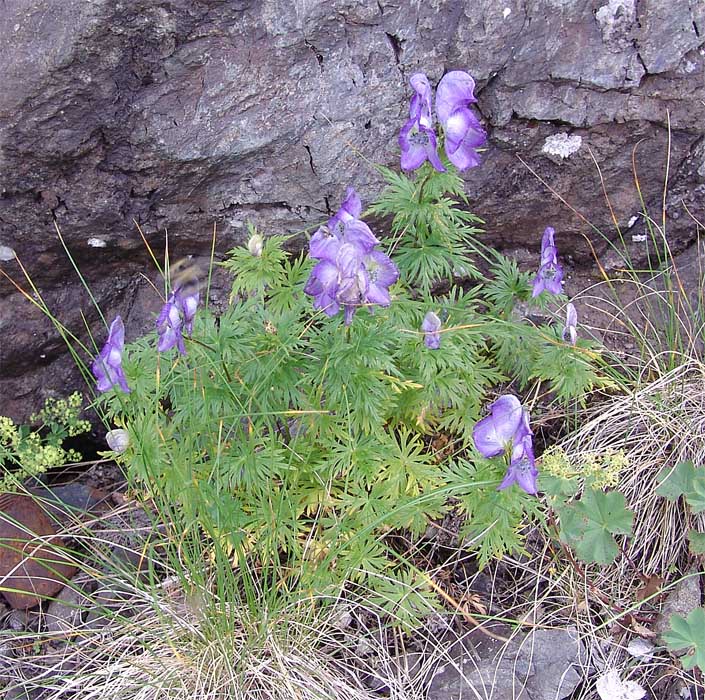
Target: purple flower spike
548,238
351,273
431,327
493,435
107,367
571,324
417,139
550,274
187,304
463,132
169,327
343,227
522,467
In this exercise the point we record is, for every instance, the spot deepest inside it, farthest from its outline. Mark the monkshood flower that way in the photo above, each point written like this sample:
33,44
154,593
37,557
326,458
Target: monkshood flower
431,327
118,440
169,324
107,367
351,273
463,133
571,323
550,274
327,240
522,468
417,138
322,285
187,303
255,245
507,428
493,435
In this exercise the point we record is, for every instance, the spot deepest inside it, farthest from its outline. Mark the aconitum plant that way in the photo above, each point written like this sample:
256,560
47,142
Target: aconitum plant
417,138
463,133
107,367
351,272
169,324
431,327
506,430
462,129
570,331
550,274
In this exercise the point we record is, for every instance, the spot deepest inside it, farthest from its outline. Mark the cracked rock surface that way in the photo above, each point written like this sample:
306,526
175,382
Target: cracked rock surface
182,114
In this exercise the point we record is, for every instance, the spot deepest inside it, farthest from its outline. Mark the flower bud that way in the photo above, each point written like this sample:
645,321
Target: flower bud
254,245
118,440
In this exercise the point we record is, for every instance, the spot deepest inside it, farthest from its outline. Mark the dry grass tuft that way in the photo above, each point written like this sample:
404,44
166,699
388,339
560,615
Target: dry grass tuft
656,426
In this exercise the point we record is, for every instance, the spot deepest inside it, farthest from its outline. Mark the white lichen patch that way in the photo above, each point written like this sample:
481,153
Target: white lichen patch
632,221
616,17
639,238
7,253
562,145
97,242
506,12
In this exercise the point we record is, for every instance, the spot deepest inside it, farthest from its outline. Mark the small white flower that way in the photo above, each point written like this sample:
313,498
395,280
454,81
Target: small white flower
610,687
118,440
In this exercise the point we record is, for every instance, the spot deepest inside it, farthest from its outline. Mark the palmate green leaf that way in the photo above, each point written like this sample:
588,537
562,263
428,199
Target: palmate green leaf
558,487
688,633
696,542
674,482
589,524
696,497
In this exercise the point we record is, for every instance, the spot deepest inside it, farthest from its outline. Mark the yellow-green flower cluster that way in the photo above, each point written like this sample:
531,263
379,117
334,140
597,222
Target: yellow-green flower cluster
8,431
31,453
601,469
64,413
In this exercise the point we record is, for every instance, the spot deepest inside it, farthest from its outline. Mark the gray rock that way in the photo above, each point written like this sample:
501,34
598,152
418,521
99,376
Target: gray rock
549,662
683,599
182,114
539,665
65,613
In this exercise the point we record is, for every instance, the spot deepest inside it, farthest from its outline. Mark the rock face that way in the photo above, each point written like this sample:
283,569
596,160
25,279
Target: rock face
183,114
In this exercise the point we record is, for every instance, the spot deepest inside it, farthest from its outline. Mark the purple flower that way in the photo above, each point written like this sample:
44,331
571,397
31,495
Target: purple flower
328,238
431,326
169,324
322,285
571,323
493,435
382,274
507,428
417,138
351,273
550,274
463,133
187,304
522,468
107,367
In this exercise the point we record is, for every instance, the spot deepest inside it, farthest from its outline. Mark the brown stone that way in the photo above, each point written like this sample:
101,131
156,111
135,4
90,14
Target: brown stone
33,565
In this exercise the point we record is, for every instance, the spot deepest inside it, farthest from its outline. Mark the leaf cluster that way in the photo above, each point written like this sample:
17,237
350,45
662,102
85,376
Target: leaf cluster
300,444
